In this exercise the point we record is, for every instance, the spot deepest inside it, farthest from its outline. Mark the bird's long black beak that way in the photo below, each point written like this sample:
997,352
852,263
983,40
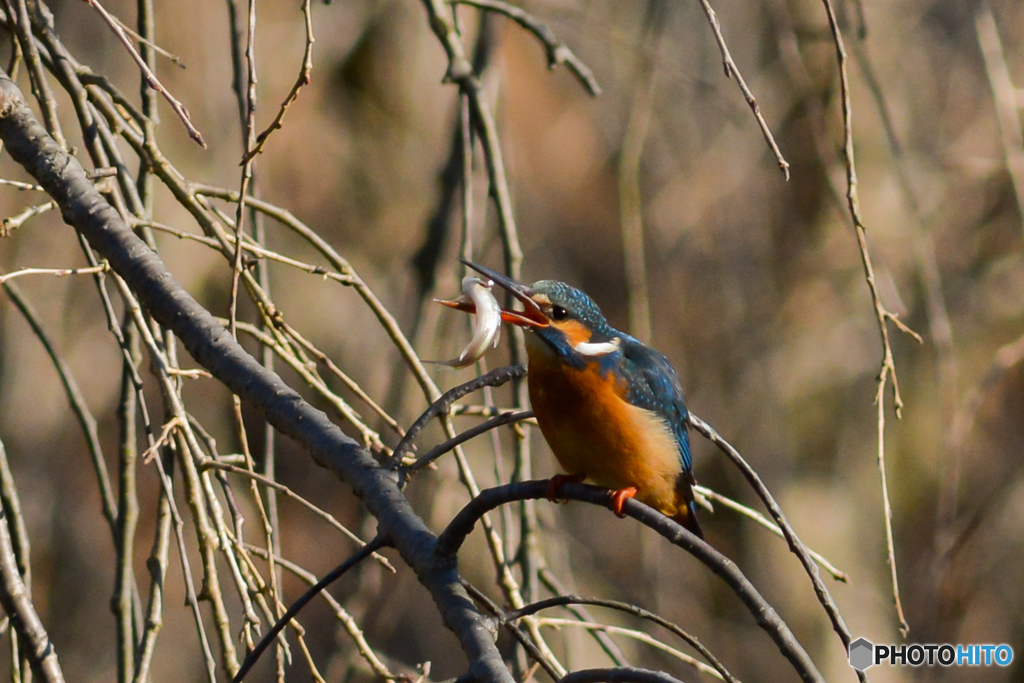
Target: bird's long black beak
530,317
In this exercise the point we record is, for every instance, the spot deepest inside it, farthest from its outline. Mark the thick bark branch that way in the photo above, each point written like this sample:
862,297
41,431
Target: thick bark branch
210,344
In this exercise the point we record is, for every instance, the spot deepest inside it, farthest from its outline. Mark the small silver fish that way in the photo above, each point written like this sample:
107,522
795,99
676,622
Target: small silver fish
487,326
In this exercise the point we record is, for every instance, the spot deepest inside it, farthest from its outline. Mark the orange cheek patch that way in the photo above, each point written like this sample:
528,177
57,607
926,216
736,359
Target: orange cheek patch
575,331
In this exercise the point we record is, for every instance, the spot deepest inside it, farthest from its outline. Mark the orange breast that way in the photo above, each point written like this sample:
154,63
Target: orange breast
594,432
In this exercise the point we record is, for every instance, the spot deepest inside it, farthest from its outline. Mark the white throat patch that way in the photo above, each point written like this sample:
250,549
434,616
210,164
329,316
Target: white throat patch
599,349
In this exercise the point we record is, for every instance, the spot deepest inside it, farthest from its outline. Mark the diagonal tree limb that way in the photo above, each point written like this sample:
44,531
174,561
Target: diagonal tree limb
212,346
319,587
796,546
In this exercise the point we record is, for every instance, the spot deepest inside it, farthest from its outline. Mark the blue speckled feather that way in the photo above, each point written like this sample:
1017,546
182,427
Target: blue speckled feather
654,385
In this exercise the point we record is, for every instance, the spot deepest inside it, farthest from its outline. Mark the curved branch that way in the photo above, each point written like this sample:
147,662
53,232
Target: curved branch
442,448
557,51
212,346
639,612
452,538
494,378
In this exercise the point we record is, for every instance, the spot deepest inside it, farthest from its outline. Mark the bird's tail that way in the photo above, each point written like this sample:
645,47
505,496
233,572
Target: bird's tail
687,517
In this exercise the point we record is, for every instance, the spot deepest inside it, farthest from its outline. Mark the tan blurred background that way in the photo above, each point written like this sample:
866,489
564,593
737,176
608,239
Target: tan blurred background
757,294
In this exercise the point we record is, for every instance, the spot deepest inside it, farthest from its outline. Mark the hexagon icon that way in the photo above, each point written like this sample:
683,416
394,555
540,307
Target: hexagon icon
862,654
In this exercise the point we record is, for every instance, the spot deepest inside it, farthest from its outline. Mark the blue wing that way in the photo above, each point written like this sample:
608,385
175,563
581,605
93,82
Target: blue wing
654,385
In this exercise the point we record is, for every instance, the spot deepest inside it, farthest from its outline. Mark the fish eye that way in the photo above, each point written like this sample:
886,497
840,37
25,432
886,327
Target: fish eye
559,313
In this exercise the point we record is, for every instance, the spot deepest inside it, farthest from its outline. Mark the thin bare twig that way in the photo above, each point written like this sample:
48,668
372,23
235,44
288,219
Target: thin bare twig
12,510
58,272
639,636
439,450
322,514
305,76
149,43
165,437
126,601
551,666
151,78
40,86
248,105
157,564
12,223
882,314
251,247
610,647
630,674
494,378
557,51
376,544
346,619
732,71
939,324
18,185
80,407
750,513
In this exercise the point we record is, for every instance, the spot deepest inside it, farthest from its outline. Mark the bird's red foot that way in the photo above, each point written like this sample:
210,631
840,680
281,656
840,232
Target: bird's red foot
556,482
619,499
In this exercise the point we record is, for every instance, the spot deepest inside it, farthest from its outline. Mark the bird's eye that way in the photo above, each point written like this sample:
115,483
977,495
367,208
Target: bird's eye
559,313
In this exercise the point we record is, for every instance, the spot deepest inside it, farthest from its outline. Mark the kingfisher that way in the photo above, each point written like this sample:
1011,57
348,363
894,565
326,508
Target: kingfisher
610,407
